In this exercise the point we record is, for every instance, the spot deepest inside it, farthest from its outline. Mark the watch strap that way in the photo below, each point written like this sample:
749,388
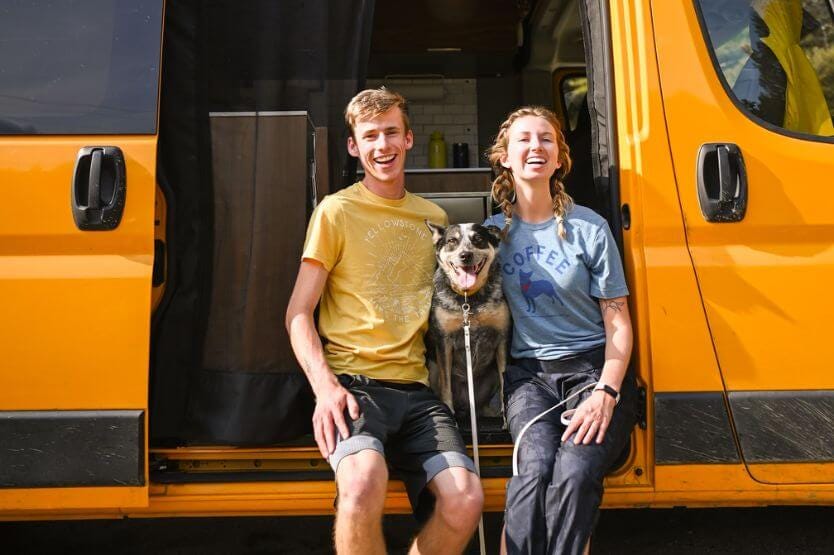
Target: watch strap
609,390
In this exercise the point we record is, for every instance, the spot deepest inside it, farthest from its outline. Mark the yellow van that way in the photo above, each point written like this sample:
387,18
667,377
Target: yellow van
159,161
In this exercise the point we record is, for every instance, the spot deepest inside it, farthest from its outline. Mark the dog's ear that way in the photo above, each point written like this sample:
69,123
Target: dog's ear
496,234
437,231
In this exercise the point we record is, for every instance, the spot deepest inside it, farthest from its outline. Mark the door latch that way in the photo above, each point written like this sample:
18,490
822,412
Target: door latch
99,186
722,182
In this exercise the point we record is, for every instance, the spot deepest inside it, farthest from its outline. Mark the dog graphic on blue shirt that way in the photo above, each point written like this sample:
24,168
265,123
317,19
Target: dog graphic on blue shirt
533,288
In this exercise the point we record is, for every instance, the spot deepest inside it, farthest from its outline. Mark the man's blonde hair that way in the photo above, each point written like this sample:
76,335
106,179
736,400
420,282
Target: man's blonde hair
371,103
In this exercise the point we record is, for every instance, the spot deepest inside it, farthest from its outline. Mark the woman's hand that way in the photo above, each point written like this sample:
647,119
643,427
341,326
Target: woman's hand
591,419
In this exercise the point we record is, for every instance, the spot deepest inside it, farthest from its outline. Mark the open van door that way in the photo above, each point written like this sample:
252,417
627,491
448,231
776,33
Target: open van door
78,112
751,137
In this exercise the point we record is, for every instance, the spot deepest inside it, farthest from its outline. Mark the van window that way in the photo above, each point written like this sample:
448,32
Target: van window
574,90
776,58
70,67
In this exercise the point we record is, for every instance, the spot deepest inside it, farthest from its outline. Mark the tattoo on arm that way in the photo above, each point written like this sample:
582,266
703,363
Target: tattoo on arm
616,306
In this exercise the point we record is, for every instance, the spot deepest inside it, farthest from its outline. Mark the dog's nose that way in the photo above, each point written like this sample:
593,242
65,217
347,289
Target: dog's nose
466,258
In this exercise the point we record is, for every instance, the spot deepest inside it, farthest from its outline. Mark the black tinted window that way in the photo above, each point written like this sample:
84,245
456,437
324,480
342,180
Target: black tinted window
70,67
777,59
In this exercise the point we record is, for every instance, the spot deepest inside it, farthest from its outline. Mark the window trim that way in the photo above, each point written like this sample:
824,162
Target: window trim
729,92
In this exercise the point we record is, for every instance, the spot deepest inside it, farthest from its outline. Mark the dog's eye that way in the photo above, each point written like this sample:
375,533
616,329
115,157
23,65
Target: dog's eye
452,242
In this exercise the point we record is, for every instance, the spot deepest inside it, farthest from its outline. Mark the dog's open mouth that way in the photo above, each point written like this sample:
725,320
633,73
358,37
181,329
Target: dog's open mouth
467,275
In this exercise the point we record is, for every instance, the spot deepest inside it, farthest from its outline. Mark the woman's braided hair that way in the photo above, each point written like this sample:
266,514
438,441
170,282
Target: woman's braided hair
503,188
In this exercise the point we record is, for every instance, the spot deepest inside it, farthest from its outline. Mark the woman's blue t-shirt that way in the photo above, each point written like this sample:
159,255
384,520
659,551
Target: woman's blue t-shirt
553,285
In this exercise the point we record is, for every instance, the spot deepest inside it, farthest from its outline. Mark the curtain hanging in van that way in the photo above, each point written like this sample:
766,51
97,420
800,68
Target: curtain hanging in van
222,368
595,29
290,55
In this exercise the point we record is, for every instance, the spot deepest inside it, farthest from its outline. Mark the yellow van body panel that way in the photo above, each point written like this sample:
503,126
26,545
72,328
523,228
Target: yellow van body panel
673,347
76,304
686,485
765,279
160,229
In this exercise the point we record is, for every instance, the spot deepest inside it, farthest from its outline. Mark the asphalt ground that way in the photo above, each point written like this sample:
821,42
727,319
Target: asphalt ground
650,531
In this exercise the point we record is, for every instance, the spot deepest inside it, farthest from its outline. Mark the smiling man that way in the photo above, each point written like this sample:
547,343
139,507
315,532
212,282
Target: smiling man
369,259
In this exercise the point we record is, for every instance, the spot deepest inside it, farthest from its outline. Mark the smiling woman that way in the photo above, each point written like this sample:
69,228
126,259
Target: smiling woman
571,341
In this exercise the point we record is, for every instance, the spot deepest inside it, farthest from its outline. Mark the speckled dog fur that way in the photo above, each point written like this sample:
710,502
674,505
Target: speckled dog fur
456,246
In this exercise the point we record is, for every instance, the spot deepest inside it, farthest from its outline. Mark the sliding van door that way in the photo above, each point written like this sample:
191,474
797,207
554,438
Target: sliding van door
748,96
78,114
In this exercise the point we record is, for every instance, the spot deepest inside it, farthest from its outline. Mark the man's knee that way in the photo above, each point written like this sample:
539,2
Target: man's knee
362,480
459,498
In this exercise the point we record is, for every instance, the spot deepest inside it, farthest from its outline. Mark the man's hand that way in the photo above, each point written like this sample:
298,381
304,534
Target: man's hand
330,416
591,419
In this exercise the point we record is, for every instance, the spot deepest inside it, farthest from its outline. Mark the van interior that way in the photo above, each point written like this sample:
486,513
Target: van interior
252,136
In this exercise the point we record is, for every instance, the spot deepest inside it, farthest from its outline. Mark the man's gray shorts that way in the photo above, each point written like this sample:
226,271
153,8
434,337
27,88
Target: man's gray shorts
410,427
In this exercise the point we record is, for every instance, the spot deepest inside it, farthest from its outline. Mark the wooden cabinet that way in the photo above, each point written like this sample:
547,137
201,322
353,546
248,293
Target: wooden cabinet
263,196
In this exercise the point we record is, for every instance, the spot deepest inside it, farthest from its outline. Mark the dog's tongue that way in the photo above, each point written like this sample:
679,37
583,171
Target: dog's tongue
466,276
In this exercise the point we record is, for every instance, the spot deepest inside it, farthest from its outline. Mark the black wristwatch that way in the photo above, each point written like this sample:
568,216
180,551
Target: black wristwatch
609,390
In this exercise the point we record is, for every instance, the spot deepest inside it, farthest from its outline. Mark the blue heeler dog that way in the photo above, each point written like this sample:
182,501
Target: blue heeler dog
465,255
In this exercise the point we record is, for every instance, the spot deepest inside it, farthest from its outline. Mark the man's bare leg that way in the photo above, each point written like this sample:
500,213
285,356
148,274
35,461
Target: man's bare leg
459,500
362,479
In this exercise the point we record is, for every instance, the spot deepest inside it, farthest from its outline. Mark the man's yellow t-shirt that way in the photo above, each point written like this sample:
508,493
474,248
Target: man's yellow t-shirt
375,305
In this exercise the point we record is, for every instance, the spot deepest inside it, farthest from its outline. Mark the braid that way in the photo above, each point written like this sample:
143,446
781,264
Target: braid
503,188
562,204
503,193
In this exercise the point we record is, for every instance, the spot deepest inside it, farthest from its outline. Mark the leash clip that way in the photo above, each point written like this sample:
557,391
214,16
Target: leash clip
466,309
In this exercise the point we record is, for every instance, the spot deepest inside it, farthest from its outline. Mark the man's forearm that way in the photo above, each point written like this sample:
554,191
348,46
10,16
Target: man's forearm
308,349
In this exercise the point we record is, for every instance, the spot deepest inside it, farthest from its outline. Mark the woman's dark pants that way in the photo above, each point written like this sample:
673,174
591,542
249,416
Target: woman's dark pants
553,504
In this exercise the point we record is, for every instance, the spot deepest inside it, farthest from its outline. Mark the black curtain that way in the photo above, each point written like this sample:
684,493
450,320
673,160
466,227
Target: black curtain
597,42
291,55
227,56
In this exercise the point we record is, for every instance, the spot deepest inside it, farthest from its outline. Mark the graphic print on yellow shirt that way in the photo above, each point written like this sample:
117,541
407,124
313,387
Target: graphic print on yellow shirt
375,305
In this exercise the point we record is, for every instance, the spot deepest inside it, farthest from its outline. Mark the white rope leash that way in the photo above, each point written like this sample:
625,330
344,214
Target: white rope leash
473,417
557,405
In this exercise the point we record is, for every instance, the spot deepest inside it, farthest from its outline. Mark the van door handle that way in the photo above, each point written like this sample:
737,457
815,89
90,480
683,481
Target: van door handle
99,186
722,182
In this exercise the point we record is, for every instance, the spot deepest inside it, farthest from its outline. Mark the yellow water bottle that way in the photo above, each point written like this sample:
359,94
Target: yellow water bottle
437,150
